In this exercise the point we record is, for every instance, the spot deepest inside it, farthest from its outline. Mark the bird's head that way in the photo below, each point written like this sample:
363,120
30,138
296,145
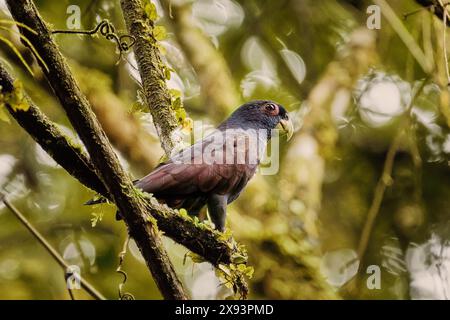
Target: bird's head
260,114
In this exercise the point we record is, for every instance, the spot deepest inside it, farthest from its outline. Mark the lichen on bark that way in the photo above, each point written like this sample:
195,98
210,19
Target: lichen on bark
153,74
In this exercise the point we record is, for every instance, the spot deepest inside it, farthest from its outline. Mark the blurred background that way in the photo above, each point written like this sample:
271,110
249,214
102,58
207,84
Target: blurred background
360,206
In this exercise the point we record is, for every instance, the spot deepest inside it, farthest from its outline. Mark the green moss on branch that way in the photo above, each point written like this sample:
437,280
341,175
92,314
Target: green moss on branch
152,70
107,166
69,156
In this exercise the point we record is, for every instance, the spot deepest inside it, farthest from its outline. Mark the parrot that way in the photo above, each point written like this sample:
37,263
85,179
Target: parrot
215,170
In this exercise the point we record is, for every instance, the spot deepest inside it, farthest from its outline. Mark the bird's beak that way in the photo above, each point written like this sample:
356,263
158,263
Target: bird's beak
286,126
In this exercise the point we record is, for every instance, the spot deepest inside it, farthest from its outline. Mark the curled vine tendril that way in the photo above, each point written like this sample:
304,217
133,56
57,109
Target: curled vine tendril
123,42
123,295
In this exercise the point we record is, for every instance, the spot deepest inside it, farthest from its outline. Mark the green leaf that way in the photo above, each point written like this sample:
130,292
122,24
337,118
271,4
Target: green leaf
15,99
249,272
176,104
17,53
160,33
180,114
238,258
150,11
167,73
175,93
241,267
96,218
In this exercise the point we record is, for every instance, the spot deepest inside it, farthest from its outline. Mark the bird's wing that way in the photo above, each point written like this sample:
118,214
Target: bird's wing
192,172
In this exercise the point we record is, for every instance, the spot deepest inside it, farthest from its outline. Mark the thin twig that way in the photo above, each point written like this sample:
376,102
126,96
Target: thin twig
60,260
385,180
404,35
383,183
444,33
122,295
107,30
71,295
437,7
411,13
427,37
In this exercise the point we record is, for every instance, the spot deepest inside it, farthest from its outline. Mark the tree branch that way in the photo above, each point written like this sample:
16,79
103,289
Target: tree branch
111,173
152,74
436,7
53,252
384,182
217,84
385,179
334,88
130,138
52,139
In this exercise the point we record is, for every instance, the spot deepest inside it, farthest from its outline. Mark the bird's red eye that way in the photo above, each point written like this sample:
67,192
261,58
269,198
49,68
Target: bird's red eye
272,108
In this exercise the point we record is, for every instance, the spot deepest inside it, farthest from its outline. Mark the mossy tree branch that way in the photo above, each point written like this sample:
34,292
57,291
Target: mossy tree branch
105,161
151,69
214,75
138,146
52,139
